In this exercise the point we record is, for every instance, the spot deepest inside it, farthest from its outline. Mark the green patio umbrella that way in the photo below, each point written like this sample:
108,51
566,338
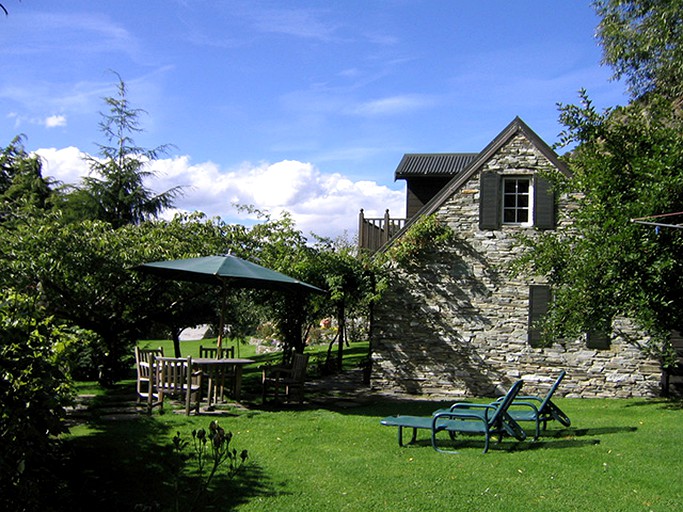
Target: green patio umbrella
227,271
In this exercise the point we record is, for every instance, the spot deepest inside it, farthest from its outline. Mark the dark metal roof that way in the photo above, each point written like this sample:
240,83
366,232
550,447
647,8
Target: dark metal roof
433,164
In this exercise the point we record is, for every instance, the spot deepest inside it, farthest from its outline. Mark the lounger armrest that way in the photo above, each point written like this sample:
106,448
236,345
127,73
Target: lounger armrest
468,405
459,416
525,404
459,403
522,398
488,409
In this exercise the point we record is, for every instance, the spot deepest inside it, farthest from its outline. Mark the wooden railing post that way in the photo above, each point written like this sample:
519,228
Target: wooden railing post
362,242
375,232
384,233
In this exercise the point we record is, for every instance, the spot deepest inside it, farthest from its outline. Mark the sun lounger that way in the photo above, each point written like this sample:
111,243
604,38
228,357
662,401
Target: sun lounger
486,419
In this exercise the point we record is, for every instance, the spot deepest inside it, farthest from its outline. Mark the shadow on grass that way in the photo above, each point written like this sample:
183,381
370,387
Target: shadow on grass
673,404
582,432
466,442
128,463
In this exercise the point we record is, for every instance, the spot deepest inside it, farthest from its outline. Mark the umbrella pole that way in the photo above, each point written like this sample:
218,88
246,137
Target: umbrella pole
221,321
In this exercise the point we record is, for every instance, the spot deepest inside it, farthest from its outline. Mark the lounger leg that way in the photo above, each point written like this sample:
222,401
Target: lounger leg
436,446
559,415
400,436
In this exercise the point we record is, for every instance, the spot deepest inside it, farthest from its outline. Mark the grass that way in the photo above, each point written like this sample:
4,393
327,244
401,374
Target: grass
619,455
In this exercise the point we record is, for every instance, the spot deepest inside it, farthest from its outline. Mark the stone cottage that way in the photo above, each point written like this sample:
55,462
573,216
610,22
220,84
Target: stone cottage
457,323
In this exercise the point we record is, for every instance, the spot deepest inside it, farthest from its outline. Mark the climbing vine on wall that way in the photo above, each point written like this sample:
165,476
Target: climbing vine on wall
425,235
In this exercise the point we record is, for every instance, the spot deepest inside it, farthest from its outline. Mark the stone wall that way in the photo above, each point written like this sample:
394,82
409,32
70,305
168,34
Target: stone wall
456,324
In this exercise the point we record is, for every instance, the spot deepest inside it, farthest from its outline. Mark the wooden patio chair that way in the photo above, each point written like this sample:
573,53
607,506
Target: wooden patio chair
222,372
177,378
145,365
540,410
290,379
469,418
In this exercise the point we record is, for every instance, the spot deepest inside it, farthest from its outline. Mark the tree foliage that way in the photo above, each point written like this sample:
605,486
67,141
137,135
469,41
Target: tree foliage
627,165
642,41
351,281
81,272
22,185
116,187
33,392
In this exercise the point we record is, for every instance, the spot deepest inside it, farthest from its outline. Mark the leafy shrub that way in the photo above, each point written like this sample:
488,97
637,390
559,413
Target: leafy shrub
84,355
34,389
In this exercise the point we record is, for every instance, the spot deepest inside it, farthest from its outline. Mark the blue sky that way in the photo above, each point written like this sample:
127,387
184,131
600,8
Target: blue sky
304,106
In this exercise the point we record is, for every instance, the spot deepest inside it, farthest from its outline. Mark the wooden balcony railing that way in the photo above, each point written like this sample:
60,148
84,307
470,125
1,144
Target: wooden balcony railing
374,233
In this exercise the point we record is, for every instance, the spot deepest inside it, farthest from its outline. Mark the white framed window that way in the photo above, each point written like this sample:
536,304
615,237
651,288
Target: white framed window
518,200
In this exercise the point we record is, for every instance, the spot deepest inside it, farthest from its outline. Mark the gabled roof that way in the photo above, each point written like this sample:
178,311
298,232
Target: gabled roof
433,164
515,127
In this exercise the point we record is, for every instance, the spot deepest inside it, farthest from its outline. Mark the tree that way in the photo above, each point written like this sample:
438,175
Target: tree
279,245
331,265
22,185
642,41
119,195
350,279
627,164
81,273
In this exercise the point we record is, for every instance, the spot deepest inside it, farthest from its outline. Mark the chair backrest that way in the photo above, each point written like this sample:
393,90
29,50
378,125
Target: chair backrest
144,359
175,374
145,354
299,363
208,351
547,398
215,352
505,402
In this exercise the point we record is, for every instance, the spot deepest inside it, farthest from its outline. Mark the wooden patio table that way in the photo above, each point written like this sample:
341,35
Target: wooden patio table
215,369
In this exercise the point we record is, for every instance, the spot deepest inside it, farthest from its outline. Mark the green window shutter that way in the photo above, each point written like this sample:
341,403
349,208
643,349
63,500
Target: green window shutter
489,201
544,205
539,298
598,340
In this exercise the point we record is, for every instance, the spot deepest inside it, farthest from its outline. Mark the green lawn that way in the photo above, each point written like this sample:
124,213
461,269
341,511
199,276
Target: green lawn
619,455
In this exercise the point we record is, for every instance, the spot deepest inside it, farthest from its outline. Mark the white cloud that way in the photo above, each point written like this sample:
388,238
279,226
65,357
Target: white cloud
322,203
303,23
55,121
394,105
326,204
65,165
